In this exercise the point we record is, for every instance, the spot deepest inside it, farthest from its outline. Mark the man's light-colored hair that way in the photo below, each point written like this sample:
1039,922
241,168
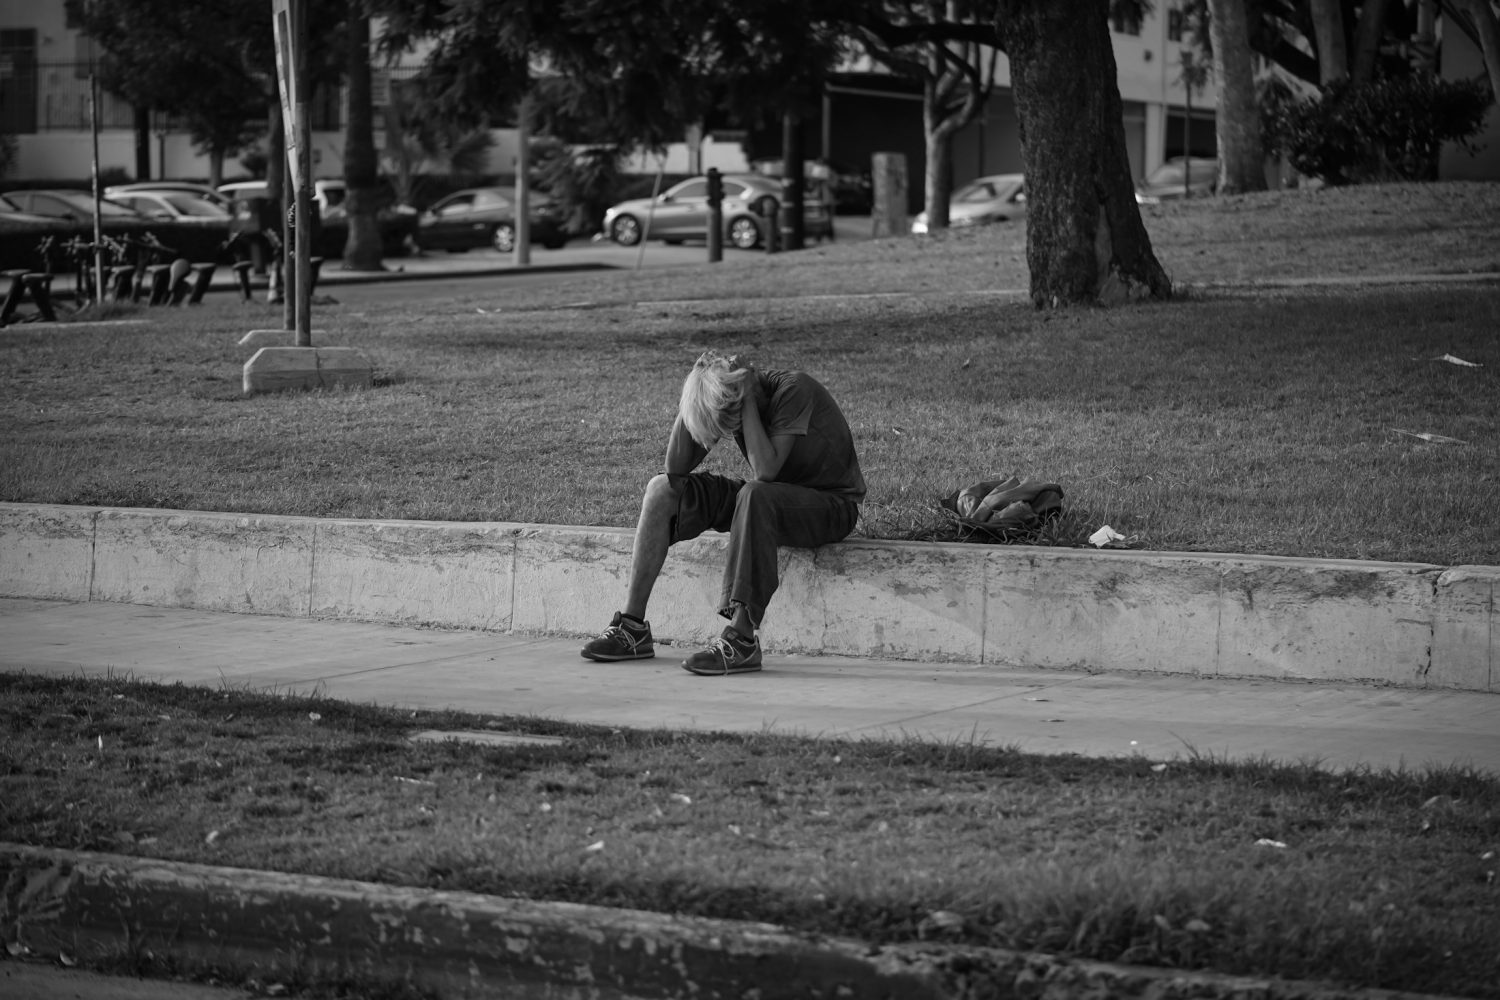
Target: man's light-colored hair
711,396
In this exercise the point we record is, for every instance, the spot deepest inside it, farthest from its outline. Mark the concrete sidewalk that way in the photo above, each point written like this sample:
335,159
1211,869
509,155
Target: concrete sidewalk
1160,716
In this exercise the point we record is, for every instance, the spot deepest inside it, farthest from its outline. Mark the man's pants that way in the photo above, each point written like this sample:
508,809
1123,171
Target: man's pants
759,517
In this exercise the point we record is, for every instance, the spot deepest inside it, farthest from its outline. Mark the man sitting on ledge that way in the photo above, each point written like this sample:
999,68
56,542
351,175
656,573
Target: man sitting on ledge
804,490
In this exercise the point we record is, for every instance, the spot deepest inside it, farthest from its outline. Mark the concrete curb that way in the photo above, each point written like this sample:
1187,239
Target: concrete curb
1205,614
92,907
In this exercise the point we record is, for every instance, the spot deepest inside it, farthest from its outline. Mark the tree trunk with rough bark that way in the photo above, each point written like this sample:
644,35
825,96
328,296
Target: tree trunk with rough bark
1085,241
1368,32
938,182
1242,156
362,250
1488,28
1328,33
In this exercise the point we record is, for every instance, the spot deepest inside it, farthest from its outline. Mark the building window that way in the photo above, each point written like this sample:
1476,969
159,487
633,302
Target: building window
1125,22
18,81
1175,24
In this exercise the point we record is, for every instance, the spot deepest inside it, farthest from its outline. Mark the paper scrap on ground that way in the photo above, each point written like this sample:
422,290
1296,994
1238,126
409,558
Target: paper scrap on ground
1458,361
1429,438
1106,536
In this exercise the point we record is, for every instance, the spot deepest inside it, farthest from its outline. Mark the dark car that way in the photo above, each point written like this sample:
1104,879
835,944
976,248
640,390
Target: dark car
486,217
73,211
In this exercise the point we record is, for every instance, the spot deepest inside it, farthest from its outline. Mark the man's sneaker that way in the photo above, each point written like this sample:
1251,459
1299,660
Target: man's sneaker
730,653
623,640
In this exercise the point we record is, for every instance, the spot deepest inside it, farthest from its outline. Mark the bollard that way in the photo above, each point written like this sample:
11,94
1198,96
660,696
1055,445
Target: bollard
715,216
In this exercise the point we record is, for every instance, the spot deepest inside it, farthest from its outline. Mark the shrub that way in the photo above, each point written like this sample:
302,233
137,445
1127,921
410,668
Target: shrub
1391,129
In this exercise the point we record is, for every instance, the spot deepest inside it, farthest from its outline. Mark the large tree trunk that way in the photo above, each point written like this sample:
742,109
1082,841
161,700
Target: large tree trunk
1488,29
1328,33
1242,156
1367,34
938,183
1085,241
362,250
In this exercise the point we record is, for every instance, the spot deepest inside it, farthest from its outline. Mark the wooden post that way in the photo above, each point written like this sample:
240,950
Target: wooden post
889,212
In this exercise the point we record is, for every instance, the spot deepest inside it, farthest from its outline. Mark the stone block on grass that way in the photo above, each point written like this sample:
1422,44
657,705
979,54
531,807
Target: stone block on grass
276,369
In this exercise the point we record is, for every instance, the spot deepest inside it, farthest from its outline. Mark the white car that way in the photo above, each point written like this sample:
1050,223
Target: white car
172,204
996,198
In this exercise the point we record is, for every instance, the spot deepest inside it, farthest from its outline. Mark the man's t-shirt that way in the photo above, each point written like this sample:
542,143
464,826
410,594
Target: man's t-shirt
822,456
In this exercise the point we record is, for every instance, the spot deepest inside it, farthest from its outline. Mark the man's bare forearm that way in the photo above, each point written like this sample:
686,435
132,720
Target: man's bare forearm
683,453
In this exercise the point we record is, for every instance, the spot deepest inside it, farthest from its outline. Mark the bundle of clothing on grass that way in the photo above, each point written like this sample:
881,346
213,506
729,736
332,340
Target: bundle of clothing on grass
1005,508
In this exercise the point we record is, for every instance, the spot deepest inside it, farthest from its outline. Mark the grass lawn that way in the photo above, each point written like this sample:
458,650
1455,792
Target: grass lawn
1381,879
1236,418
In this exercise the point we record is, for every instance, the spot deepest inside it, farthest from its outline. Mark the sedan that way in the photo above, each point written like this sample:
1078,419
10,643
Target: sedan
486,217
997,198
179,205
185,187
70,205
1179,177
196,238
681,213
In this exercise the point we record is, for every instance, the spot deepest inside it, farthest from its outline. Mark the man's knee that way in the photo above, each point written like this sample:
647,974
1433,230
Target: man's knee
662,494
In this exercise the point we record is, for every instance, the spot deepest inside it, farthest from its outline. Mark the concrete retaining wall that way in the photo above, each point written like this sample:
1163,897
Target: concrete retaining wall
1407,624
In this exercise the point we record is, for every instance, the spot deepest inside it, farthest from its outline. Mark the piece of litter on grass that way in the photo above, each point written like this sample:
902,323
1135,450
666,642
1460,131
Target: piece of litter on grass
314,716
1106,536
679,797
1429,438
213,835
1158,767
1268,842
1037,699
596,846
101,742
1457,361
414,781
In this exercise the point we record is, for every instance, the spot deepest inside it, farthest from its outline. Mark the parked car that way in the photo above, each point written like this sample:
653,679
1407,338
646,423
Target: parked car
180,205
252,215
72,212
1199,175
11,212
681,213
205,191
997,198
847,190
486,217
70,205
